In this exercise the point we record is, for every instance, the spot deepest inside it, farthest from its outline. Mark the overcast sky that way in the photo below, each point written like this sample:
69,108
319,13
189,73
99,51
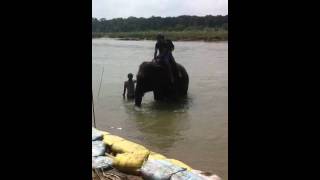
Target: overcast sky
146,8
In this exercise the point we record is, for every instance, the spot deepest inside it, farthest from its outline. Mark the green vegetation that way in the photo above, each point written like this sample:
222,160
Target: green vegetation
207,28
205,35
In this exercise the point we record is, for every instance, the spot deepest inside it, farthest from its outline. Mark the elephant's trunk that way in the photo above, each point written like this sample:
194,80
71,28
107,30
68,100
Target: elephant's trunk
138,96
138,101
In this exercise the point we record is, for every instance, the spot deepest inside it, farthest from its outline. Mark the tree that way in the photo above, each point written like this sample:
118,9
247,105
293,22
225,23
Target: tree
179,23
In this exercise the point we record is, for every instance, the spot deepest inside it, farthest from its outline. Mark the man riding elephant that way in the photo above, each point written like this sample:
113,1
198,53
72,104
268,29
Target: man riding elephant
165,48
167,79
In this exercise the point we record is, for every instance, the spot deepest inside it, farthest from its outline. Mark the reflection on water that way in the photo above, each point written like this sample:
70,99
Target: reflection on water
194,130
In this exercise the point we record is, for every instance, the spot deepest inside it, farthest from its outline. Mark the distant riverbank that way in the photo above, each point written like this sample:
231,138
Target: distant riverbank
191,35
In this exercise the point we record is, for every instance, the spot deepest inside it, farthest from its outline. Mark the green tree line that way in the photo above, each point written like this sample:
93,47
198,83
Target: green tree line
180,23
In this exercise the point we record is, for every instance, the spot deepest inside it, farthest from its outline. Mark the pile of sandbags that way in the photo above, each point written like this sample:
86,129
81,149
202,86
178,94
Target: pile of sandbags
131,158
99,149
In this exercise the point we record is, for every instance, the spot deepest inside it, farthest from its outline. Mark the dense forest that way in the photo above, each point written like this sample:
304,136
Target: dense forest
180,23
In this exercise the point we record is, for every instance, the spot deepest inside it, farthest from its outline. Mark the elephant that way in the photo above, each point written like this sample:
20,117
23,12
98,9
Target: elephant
154,77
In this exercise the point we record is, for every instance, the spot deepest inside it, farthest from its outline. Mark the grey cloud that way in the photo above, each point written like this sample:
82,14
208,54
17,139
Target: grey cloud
146,8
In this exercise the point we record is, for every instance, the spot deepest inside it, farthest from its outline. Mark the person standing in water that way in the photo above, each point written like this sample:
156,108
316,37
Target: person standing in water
129,87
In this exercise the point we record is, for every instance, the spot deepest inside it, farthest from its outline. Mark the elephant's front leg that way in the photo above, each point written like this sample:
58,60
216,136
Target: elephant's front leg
157,95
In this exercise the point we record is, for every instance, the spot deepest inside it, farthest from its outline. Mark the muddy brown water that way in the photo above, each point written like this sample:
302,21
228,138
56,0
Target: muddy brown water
194,131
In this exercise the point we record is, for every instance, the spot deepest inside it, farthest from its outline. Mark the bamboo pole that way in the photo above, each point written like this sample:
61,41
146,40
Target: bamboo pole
94,115
100,81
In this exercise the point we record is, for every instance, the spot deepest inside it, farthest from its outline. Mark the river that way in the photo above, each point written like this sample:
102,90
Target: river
195,131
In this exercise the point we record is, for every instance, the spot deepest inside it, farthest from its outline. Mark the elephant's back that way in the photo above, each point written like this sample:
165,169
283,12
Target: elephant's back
144,66
150,68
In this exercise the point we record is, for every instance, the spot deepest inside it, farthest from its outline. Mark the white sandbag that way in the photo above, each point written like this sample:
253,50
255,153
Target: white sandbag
103,162
159,169
96,134
186,175
205,175
98,148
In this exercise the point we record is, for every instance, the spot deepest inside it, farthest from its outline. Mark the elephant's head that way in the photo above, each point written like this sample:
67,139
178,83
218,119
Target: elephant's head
145,78
138,98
